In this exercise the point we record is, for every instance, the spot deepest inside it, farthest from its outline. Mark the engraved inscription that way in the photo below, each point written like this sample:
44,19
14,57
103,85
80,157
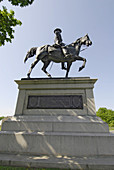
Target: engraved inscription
55,102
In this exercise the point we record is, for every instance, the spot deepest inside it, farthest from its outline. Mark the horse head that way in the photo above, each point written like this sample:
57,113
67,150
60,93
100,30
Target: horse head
86,40
82,41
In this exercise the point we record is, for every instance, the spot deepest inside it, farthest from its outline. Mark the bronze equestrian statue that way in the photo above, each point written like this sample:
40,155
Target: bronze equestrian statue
58,53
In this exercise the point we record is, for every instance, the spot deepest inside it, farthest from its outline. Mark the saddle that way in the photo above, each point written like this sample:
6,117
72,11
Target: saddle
55,48
67,51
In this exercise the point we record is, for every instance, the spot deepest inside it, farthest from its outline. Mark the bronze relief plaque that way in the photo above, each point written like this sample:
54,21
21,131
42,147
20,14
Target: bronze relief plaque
55,102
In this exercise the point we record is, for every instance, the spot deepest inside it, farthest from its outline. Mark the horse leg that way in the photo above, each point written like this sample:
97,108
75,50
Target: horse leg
63,66
46,63
68,68
32,66
84,62
39,57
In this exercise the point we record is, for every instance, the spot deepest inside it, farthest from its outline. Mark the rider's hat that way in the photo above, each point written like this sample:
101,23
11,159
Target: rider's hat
58,29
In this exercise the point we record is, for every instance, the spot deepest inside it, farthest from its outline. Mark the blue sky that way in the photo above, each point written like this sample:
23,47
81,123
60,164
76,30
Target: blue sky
75,18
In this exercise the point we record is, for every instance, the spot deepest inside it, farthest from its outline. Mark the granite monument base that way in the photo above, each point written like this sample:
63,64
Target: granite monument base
55,126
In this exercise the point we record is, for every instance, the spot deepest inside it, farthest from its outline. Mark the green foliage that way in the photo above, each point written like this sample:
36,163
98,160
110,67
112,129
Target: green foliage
111,128
106,115
1,117
7,22
21,3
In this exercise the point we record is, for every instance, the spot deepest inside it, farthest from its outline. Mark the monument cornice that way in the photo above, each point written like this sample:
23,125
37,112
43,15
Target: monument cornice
76,80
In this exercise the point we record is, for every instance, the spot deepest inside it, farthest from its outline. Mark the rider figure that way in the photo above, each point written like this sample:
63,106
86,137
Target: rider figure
58,42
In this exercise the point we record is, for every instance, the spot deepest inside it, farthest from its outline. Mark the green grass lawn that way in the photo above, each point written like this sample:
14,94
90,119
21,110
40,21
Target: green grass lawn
19,168
12,168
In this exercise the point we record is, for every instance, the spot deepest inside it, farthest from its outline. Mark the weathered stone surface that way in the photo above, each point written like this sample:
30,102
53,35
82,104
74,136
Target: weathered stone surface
69,137
57,143
62,162
56,87
80,124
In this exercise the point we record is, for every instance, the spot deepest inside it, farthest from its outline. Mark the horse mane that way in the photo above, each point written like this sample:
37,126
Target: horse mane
75,42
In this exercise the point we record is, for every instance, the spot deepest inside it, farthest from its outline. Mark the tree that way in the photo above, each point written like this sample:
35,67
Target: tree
1,117
8,22
106,115
21,3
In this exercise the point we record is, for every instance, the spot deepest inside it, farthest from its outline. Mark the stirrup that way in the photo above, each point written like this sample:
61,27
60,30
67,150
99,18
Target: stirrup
68,55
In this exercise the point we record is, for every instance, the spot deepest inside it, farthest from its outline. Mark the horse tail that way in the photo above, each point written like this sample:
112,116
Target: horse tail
30,53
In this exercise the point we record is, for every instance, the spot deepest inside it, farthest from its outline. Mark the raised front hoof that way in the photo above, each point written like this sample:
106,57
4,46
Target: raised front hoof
80,68
25,60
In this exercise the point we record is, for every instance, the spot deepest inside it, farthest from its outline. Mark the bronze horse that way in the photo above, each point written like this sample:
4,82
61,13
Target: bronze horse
49,53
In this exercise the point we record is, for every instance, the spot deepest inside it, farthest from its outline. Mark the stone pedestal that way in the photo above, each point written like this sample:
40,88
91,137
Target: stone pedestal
55,123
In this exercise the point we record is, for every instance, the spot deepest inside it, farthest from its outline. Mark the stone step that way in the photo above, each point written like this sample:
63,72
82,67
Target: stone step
56,143
62,162
55,124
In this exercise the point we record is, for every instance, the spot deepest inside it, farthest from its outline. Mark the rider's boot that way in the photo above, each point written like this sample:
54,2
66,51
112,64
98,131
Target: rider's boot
66,52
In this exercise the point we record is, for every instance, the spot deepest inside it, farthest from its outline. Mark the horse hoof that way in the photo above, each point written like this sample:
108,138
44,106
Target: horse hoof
49,76
28,76
64,68
80,68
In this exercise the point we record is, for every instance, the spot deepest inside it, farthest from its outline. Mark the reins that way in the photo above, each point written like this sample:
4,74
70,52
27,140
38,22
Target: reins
83,49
